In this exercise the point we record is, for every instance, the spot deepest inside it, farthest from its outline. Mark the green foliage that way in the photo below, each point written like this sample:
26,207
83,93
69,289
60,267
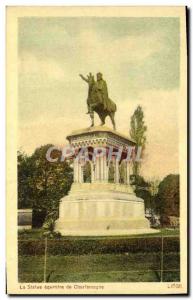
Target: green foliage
167,199
49,220
52,180
138,128
41,184
137,133
142,190
25,182
67,246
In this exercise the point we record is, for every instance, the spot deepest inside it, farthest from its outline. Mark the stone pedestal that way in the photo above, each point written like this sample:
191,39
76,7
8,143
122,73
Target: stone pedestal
102,206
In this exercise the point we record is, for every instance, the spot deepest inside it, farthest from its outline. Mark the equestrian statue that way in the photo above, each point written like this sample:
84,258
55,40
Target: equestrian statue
98,100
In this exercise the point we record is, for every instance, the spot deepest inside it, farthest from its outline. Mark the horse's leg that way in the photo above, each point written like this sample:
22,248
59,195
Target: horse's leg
112,117
102,118
92,118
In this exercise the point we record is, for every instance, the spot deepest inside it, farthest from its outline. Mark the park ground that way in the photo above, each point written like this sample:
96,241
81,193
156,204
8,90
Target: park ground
142,264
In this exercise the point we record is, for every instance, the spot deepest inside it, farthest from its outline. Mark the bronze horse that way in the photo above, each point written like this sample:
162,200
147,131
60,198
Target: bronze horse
95,102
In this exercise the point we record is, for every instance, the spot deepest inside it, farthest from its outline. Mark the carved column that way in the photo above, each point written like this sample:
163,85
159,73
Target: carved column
80,173
92,171
116,171
97,169
102,168
75,170
128,172
105,168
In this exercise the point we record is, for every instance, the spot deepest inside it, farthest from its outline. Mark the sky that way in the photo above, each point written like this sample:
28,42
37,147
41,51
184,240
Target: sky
139,59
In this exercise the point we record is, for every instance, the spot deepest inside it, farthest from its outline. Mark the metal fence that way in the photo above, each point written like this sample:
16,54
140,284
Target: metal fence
100,259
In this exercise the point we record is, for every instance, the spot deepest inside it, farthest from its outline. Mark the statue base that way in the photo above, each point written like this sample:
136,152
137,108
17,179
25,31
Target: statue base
101,209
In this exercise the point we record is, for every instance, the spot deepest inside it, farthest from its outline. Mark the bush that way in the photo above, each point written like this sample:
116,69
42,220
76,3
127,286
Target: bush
97,246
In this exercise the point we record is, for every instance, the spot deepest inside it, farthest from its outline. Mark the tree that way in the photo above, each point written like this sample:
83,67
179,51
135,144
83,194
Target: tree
167,199
137,133
41,184
52,180
24,179
142,190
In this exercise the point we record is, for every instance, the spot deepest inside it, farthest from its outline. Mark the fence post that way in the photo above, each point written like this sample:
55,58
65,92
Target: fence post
162,258
45,258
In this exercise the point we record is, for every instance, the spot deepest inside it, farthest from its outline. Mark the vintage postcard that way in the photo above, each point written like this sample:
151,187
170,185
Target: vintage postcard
97,150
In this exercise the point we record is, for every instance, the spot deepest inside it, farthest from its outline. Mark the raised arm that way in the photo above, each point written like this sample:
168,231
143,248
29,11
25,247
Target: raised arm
84,78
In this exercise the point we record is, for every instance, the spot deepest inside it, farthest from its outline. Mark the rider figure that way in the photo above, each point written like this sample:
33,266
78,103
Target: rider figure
101,87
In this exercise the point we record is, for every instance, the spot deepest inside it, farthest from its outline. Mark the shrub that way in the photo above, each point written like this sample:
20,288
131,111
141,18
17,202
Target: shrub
59,246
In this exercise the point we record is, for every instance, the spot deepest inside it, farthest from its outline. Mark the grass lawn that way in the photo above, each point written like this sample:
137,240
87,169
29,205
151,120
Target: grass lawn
137,265
133,267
